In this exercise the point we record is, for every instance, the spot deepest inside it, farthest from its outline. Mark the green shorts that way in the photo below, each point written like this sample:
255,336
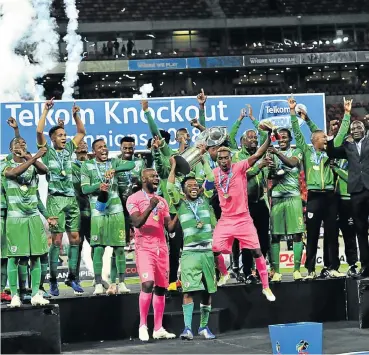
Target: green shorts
26,236
198,271
108,230
286,217
4,248
67,209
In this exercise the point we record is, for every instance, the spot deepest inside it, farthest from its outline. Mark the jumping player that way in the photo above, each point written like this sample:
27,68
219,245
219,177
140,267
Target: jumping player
197,260
235,221
149,215
61,201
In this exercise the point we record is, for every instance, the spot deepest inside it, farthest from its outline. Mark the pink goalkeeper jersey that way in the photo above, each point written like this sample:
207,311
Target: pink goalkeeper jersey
151,234
237,202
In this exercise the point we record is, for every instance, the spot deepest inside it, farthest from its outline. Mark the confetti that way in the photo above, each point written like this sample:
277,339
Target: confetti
124,9
65,58
150,35
194,83
92,45
84,55
162,83
85,39
84,73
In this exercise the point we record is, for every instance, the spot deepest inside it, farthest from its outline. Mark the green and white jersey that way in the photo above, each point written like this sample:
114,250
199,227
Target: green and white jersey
287,185
59,164
82,199
125,178
21,193
93,173
194,239
3,194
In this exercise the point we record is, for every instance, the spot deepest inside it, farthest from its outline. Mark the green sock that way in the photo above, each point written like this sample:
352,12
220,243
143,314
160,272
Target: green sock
4,273
13,275
98,263
35,275
44,265
274,251
73,260
120,262
204,315
298,248
79,261
187,314
22,275
53,261
113,270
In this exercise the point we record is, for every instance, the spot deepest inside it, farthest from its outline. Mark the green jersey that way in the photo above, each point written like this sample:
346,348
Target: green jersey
341,170
21,192
190,214
60,175
319,175
125,178
82,199
93,174
287,185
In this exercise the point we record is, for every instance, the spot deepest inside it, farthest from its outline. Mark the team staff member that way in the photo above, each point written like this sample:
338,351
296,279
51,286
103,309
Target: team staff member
150,215
107,221
256,185
26,237
320,185
61,200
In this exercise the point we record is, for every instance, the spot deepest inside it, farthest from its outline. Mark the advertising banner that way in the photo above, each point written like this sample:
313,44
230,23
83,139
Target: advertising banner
116,118
157,64
272,60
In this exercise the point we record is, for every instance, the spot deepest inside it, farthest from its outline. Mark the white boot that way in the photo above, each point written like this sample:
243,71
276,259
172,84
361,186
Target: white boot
38,300
15,302
122,288
99,289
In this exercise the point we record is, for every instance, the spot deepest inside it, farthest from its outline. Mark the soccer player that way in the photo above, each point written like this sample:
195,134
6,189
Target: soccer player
320,185
235,221
286,215
256,186
127,182
26,237
107,222
61,200
197,260
150,214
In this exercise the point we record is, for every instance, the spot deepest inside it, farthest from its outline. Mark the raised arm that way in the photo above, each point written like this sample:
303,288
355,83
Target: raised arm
300,140
345,124
161,161
81,131
291,162
13,124
12,173
234,130
201,98
41,140
260,152
172,190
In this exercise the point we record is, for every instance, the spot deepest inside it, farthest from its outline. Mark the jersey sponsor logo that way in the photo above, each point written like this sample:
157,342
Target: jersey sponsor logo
310,215
94,238
187,284
145,275
13,249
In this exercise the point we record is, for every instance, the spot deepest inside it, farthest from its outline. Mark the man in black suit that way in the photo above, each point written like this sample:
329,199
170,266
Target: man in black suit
356,151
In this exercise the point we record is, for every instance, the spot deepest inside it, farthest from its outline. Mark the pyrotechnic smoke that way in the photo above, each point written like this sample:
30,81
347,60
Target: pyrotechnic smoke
46,39
145,89
74,49
16,78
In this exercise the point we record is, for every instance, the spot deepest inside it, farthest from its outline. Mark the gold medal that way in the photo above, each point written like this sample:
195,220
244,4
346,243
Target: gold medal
24,188
226,196
199,225
316,167
155,217
63,173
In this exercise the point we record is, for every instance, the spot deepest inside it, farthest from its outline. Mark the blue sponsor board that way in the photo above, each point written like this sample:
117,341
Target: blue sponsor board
215,62
113,119
157,64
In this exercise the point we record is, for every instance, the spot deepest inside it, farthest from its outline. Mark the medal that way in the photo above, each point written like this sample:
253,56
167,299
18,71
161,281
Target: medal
220,181
155,217
225,196
199,225
24,188
63,173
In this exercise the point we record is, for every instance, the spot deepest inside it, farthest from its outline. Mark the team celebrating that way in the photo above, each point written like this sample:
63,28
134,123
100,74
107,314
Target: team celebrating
238,201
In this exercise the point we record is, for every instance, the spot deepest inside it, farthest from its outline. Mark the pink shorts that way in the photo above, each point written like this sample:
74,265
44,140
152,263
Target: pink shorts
239,227
153,265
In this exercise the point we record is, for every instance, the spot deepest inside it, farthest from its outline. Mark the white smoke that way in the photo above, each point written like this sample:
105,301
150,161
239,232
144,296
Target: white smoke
46,38
74,49
145,89
16,77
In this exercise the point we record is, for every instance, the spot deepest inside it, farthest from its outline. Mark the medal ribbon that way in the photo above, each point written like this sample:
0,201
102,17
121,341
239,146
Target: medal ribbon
102,178
225,190
194,207
317,159
26,177
155,210
343,164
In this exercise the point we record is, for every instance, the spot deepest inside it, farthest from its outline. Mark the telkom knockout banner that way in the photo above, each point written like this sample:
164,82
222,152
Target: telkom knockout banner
116,118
